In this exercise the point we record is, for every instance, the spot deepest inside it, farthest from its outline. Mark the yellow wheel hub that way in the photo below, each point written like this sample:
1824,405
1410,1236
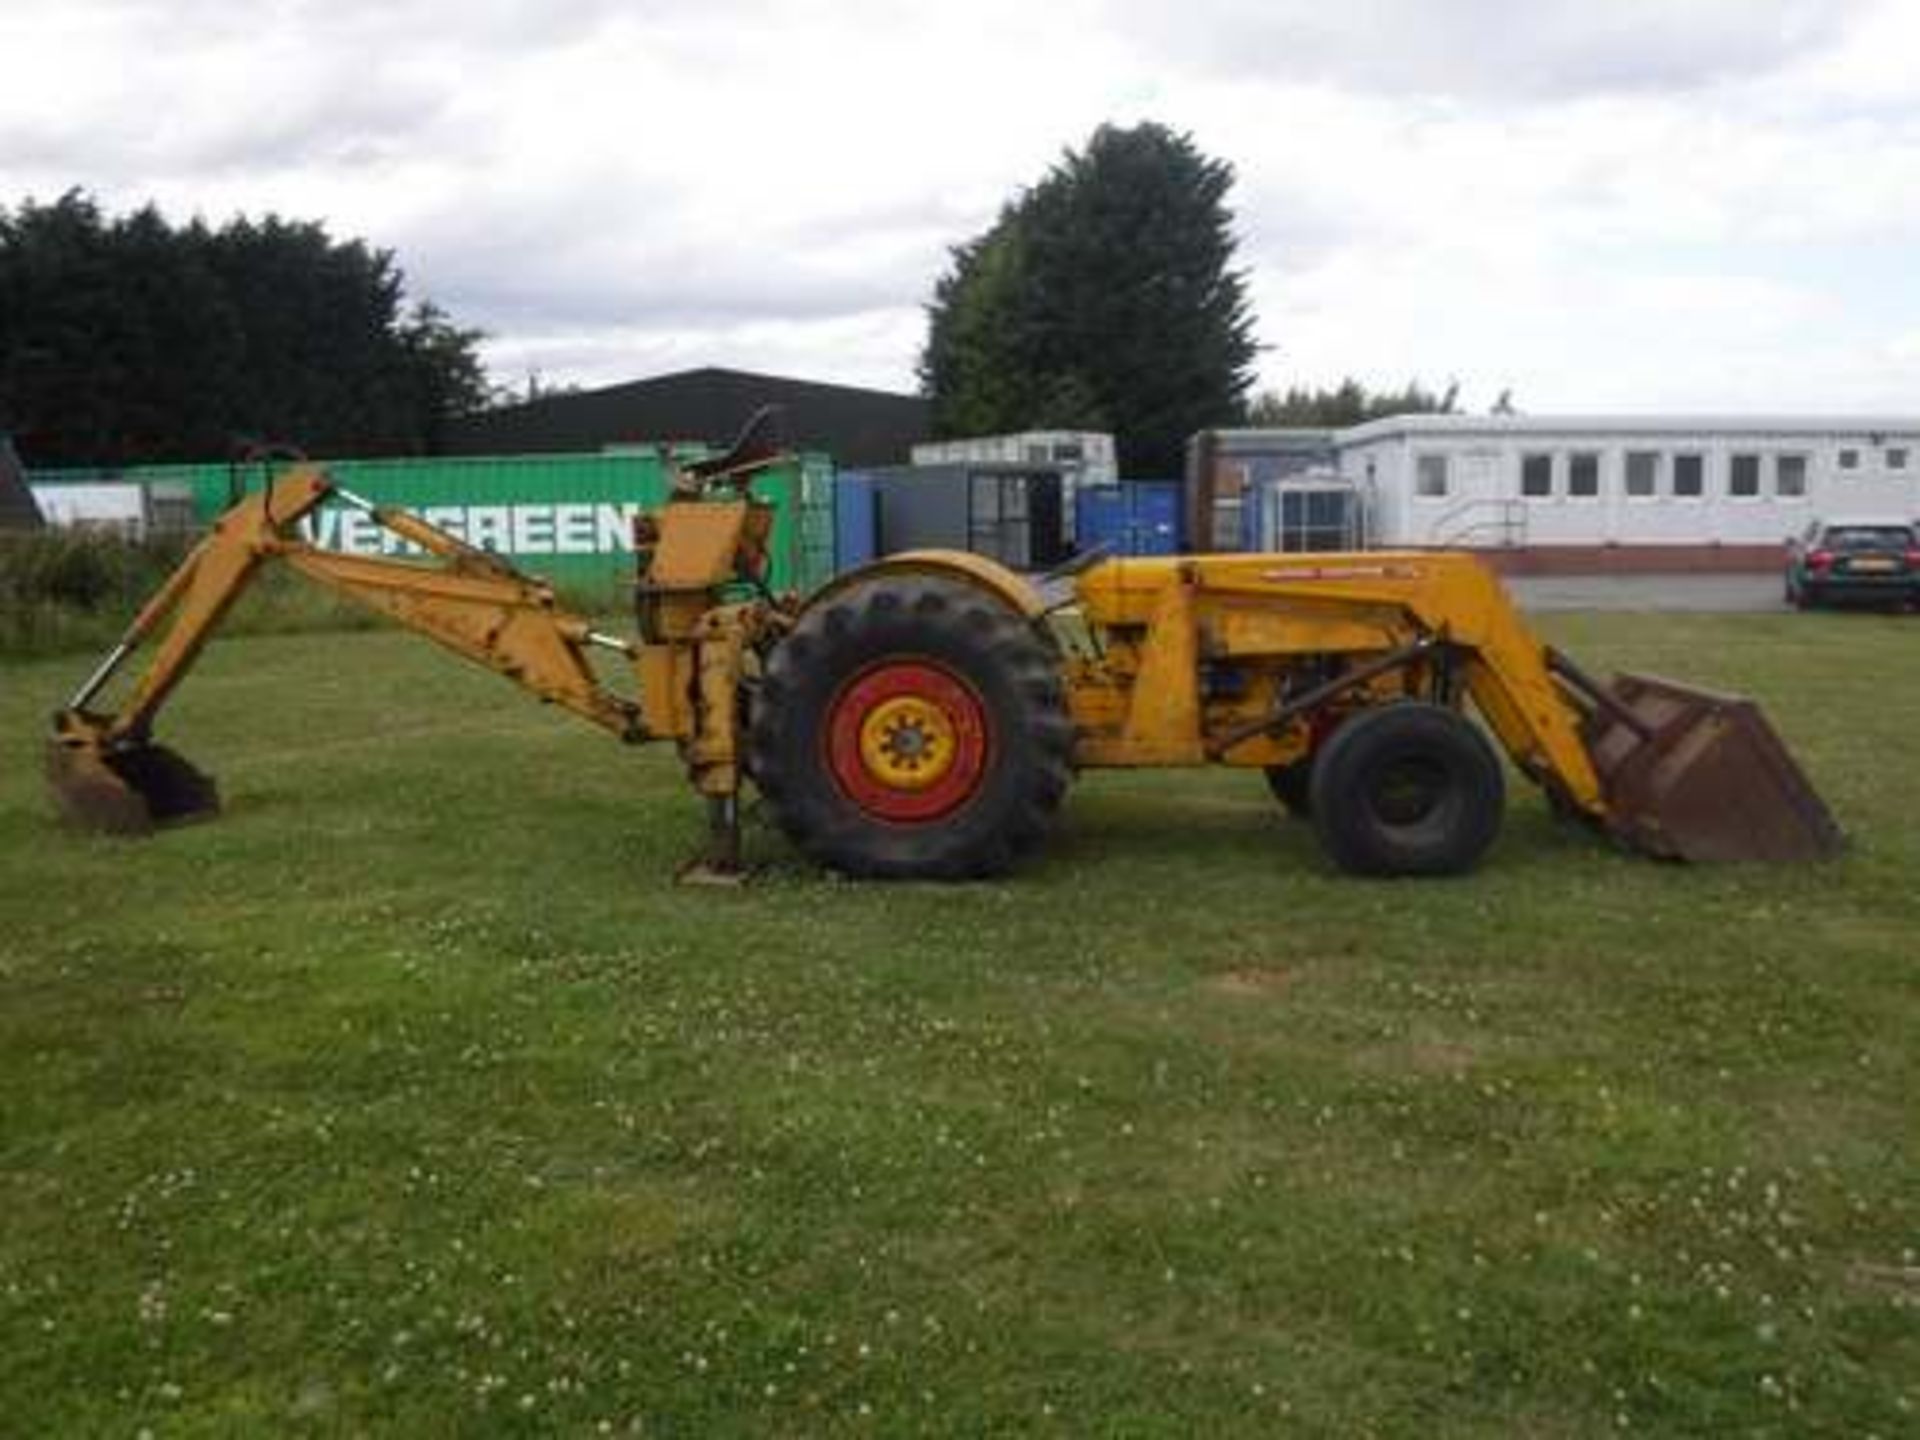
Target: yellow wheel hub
906,742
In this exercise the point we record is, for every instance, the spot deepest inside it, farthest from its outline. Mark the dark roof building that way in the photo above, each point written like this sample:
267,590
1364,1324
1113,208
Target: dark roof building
17,510
855,426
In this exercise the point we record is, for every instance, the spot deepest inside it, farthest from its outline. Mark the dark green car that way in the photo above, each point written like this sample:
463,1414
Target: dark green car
1871,562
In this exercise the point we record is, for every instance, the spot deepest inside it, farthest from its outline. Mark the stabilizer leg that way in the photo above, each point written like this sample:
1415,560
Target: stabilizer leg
721,864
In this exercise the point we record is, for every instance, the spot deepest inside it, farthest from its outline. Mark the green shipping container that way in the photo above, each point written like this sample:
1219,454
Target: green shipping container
568,518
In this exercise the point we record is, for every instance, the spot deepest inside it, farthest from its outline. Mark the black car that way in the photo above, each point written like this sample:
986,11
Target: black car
1868,561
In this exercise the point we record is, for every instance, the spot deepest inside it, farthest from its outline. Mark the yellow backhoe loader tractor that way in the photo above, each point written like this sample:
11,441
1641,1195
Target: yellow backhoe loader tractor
923,716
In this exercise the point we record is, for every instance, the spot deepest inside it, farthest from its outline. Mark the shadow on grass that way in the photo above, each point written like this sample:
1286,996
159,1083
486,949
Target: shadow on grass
1191,823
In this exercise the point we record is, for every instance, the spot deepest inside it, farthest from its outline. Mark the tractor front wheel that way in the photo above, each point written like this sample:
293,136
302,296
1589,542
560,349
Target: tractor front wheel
1292,786
1407,789
912,729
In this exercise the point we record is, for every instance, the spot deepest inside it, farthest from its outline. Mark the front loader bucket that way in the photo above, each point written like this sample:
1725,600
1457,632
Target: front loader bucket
127,789
1692,775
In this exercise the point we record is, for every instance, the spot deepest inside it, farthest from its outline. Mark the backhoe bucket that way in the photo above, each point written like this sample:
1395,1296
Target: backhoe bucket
1692,775
128,789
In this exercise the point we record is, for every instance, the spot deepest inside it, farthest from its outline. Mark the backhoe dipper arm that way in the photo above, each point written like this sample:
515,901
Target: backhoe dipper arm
196,597
473,603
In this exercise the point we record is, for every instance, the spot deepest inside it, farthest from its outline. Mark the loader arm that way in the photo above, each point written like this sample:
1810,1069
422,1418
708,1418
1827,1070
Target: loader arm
1458,603
1379,604
108,772
1668,769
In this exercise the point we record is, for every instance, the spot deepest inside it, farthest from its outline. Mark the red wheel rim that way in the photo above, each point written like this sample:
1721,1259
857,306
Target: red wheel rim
907,741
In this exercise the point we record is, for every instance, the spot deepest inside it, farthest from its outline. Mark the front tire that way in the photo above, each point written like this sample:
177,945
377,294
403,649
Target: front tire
1407,789
912,729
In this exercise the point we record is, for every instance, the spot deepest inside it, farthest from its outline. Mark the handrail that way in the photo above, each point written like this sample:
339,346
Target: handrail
1508,523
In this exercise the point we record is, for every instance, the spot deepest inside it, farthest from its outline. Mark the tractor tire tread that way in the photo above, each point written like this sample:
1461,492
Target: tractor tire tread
1010,667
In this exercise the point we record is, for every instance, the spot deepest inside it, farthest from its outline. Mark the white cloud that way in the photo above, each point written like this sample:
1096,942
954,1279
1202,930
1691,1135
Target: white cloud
1493,48
1634,203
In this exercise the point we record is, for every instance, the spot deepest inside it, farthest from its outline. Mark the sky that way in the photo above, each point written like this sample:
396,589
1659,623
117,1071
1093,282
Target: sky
1612,205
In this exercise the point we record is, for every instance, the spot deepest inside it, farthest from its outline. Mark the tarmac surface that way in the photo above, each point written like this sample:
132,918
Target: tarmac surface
1647,592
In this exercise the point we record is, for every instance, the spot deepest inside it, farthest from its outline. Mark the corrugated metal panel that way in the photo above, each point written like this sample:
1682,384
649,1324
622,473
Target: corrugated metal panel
855,519
816,548
1102,520
1015,514
1156,517
1133,517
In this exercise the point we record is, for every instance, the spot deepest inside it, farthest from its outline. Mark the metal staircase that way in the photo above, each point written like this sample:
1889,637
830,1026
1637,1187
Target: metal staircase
1483,524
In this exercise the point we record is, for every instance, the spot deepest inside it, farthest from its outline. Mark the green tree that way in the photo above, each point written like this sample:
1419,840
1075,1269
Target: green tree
128,339
1104,298
1348,403
442,363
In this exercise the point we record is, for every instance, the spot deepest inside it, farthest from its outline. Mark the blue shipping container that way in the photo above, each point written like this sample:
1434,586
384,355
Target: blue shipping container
855,510
1135,517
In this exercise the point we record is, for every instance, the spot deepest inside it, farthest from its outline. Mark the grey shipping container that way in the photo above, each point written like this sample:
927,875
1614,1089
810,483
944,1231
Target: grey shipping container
1015,514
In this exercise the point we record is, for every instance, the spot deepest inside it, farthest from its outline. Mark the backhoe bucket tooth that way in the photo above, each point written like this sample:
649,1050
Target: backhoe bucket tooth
129,789
1693,775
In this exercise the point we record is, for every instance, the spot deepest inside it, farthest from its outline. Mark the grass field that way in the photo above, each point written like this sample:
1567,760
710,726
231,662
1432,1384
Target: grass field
413,1098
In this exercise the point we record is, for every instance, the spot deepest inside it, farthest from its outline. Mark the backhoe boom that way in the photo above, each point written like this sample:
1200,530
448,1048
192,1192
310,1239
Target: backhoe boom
464,598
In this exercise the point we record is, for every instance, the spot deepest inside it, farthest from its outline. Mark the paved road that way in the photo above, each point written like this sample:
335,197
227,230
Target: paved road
1647,592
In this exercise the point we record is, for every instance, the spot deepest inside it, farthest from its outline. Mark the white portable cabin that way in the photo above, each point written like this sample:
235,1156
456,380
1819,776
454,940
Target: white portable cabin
1231,477
106,505
1546,482
1316,509
1086,455
132,509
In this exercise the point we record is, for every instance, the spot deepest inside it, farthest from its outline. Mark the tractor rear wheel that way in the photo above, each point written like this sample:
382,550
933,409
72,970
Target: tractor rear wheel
912,729
1407,789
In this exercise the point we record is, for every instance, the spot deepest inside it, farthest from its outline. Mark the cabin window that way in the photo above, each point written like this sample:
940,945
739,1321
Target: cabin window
1643,474
1790,477
1583,475
1536,476
1689,476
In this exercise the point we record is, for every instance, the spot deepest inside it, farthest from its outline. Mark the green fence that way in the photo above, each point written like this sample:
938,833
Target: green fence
566,517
